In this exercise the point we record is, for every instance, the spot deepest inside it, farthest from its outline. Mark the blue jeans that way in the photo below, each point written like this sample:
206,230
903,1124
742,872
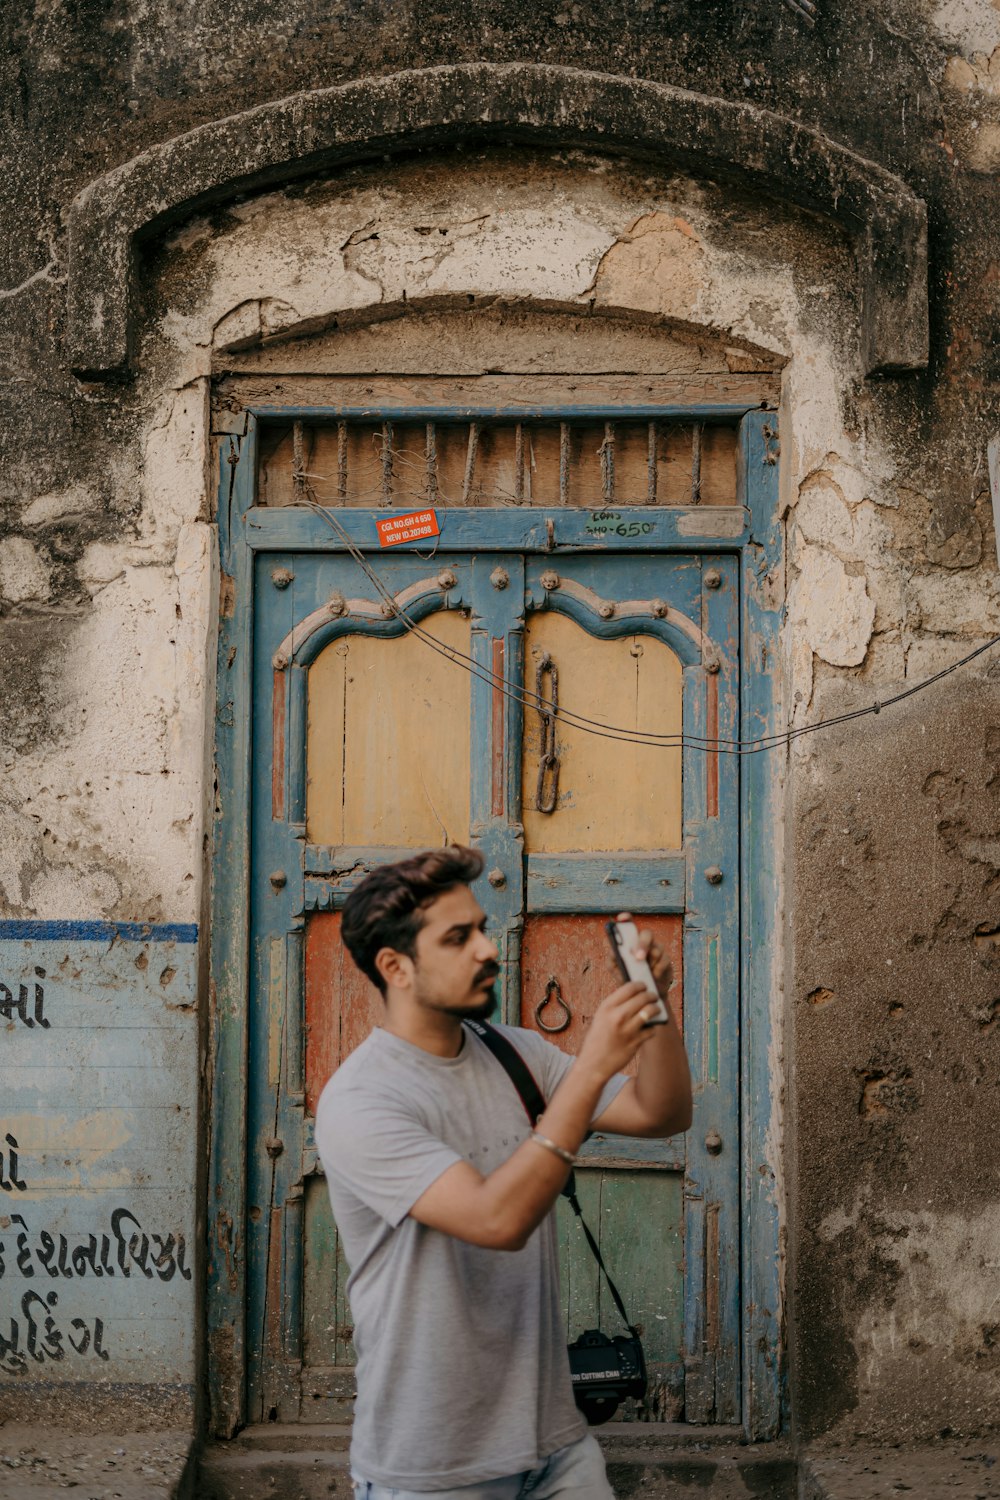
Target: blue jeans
576,1471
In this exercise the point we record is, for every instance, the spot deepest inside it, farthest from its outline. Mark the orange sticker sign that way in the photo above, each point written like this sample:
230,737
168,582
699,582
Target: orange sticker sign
409,528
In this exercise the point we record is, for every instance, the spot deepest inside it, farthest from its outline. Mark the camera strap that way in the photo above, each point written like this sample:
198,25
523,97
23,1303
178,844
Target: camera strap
533,1099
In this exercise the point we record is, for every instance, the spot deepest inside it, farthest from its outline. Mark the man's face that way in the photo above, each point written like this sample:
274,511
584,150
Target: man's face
455,966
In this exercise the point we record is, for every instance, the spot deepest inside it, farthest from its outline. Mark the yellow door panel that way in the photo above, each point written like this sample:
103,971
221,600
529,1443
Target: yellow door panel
611,794
388,740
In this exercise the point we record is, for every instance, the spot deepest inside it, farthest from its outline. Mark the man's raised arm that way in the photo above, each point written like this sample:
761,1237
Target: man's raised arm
501,1210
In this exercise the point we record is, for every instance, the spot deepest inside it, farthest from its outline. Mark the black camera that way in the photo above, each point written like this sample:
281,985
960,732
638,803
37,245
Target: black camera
604,1372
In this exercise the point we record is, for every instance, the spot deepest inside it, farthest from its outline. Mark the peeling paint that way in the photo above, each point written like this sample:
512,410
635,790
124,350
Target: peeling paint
831,608
657,265
24,573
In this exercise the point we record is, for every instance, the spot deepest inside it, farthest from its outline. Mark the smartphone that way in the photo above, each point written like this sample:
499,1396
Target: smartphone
624,938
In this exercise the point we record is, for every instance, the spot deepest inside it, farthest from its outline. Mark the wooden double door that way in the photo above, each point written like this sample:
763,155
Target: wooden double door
565,715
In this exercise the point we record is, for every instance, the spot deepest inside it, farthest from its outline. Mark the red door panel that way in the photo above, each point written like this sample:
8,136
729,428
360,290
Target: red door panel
570,956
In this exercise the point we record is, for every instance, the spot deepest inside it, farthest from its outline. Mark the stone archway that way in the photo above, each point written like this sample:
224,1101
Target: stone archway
315,132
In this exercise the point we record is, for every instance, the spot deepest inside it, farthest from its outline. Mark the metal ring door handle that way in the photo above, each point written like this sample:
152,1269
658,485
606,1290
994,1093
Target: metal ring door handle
554,993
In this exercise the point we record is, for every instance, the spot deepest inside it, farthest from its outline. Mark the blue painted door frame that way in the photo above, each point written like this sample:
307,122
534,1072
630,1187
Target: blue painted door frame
749,541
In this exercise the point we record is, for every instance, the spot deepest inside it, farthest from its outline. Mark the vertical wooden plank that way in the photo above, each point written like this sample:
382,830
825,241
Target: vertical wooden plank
721,851
699,1368
320,1276
294,1015
273,1000
497,622
342,461
712,754
295,744
278,716
228,1030
718,466
712,1012
344,1352
322,983
341,1006
713,1312
386,464
514,658
711,956
608,463
642,1240
762,714
275,1009
498,736
292,1310
272,1349
298,463
470,462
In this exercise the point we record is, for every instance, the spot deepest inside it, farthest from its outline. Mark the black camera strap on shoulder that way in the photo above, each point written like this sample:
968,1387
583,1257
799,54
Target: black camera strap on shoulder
533,1100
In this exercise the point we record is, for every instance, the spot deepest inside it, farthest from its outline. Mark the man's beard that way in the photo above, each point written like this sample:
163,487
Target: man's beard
481,1010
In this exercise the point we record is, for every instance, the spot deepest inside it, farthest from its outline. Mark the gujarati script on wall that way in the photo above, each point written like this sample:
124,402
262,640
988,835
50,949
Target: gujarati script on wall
98,1093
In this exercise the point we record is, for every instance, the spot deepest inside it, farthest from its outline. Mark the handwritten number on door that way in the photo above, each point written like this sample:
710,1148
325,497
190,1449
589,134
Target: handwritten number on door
547,787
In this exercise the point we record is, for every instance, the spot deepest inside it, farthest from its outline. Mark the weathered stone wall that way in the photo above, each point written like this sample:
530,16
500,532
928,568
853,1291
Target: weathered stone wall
891,858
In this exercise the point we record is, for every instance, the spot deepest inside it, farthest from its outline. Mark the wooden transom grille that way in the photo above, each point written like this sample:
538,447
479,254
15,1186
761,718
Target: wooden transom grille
498,462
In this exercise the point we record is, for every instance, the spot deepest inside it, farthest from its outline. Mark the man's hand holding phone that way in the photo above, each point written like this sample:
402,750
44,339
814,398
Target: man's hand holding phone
629,1016
642,960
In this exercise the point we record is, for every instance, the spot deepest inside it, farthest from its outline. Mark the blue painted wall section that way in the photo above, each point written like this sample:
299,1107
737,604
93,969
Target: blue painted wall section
98,1131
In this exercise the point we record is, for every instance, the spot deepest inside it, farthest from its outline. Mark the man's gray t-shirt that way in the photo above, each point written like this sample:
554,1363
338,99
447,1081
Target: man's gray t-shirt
462,1368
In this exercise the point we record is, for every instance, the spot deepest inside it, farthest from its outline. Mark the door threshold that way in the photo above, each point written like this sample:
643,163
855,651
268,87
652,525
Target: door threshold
283,1435
660,1460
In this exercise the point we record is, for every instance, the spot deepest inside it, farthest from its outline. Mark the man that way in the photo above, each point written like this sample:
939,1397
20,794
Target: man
443,1196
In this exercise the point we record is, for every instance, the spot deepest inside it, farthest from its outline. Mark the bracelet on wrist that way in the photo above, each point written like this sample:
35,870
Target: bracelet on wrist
560,1151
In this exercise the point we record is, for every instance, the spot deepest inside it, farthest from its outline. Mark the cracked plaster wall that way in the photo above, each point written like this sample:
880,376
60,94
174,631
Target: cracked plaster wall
882,586
109,583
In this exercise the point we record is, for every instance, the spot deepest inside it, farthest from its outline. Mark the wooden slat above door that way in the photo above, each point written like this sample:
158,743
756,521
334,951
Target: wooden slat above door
504,461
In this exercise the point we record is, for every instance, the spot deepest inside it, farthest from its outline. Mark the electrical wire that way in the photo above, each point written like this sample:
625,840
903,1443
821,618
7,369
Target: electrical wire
706,744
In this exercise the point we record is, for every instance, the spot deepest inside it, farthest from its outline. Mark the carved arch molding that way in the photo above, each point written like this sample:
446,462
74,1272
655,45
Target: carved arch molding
310,133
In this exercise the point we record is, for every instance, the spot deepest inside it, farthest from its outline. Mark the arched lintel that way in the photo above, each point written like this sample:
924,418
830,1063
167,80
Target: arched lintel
243,329
632,617
309,133
312,635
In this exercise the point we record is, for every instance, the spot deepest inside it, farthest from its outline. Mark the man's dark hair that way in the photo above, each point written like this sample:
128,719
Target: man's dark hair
386,910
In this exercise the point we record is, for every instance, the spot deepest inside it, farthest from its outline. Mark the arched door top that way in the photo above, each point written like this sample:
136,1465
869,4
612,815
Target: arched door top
324,129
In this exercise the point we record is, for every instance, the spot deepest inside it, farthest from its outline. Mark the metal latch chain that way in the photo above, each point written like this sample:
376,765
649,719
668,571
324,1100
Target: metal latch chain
547,786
